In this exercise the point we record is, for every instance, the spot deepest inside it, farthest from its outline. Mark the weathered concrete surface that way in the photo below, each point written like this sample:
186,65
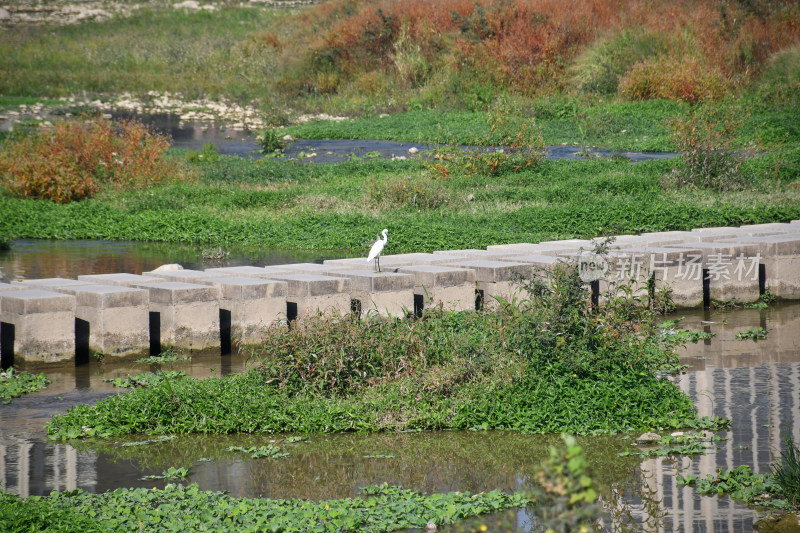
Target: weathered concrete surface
118,317
313,294
120,280
9,287
381,293
449,287
240,271
189,313
732,269
185,276
780,255
51,283
497,279
44,325
254,304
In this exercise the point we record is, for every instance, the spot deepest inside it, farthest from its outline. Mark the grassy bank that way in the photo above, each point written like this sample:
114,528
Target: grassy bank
289,205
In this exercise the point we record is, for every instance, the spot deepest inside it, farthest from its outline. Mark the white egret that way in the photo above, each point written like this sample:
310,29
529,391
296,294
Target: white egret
377,248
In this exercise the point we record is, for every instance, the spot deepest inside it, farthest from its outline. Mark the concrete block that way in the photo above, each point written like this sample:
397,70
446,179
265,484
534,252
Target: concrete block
388,262
254,304
732,269
185,275
188,313
118,318
497,279
51,283
669,268
310,294
9,287
306,268
120,280
381,293
239,271
43,323
451,287
780,255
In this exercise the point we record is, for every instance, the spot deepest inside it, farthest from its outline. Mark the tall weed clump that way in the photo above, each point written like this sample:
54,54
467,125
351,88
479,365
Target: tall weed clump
509,145
76,160
706,142
787,472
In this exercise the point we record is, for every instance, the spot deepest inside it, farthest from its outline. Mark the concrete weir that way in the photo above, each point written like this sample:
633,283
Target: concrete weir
57,320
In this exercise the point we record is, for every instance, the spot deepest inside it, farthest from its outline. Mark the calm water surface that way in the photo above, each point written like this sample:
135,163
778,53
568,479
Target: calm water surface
755,384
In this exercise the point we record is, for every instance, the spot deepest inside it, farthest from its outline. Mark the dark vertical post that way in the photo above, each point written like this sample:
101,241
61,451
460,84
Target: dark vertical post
595,285
81,342
6,345
419,304
225,331
155,333
479,303
706,289
762,279
291,312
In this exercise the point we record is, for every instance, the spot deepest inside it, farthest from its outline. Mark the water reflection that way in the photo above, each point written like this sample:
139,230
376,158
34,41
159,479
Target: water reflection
37,259
755,384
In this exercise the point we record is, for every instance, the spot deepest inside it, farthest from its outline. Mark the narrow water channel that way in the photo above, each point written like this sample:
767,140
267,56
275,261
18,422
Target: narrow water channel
755,384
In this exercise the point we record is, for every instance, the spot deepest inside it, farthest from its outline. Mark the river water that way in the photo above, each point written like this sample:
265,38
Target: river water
755,384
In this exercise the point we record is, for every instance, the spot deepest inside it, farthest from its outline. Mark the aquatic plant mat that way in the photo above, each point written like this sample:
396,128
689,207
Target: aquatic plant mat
186,508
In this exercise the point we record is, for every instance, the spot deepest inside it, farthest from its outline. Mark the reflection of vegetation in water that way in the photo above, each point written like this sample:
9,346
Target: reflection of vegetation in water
333,466
565,498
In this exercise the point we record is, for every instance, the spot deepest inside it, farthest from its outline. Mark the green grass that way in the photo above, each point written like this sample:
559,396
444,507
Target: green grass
196,54
338,206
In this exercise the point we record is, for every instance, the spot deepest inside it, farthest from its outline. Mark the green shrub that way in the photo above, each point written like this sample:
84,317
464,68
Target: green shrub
76,160
779,84
601,65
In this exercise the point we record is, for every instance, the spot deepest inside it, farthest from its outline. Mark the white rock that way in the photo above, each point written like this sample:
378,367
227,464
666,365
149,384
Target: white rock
168,268
5,14
413,150
187,4
287,138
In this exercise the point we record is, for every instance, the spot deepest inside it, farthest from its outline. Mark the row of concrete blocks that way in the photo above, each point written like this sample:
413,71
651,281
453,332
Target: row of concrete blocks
121,315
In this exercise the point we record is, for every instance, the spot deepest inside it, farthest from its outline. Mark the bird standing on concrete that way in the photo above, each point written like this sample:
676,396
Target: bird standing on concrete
377,248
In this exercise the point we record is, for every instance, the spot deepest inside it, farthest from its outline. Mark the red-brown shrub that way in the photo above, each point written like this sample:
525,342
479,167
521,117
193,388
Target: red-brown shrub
75,160
673,79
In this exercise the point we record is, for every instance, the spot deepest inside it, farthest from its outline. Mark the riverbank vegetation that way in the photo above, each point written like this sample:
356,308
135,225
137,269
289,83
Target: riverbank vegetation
351,57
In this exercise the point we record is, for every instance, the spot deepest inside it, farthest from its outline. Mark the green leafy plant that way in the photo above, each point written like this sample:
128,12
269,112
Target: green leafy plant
171,473
753,333
146,379
14,383
270,141
257,452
